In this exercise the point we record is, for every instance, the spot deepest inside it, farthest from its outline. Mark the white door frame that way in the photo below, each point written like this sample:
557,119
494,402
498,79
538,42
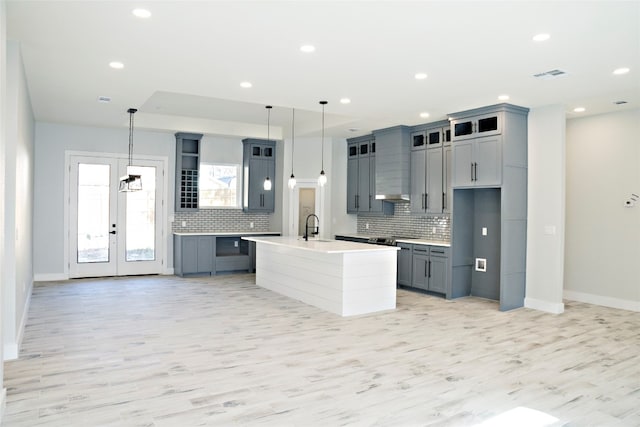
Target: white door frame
162,215
294,208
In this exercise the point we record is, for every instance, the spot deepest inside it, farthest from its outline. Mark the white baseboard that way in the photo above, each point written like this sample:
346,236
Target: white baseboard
549,307
3,403
602,300
168,272
50,277
10,351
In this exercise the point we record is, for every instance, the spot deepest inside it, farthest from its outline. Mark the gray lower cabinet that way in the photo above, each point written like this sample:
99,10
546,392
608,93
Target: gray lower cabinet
193,254
405,255
429,268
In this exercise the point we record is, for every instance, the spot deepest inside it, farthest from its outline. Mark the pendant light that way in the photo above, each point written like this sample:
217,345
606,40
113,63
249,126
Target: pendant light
292,179
130,182
267,181
322,179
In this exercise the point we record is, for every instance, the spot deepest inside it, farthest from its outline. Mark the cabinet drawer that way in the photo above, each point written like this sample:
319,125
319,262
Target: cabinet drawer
232,262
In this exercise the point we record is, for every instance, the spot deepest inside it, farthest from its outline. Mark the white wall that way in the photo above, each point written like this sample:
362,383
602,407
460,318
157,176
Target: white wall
3,121
545,208
307,164
602,236
18,241
52,140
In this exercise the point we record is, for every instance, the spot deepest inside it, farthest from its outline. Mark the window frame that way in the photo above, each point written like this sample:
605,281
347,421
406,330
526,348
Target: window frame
238,203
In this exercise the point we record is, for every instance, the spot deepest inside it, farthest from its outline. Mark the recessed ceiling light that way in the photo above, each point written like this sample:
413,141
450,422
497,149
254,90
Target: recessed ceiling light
307,48
246,85
116,65
503,97
420,76
424,115
579,109
541,37
345,101
141,13
620,71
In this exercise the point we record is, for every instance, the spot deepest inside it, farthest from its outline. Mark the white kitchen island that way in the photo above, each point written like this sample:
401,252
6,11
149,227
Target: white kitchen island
344,278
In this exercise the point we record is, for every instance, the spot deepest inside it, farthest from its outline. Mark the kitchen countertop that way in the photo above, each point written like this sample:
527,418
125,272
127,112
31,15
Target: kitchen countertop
414,241
320,245
232,233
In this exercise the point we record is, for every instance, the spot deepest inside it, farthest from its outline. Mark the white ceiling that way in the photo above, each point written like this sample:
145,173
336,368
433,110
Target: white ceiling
183,66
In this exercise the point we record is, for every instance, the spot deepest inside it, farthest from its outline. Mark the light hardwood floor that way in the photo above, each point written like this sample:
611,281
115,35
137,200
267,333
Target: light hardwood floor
166,351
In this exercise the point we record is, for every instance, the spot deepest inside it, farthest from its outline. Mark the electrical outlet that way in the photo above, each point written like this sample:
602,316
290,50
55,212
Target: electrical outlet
251,225
235,243
184,223
433,230
366,226
484,231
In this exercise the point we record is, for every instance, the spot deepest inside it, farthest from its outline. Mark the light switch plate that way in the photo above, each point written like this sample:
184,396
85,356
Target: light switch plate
484,231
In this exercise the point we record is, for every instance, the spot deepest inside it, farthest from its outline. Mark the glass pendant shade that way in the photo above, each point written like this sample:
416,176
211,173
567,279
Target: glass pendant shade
322,179
292,182
130,181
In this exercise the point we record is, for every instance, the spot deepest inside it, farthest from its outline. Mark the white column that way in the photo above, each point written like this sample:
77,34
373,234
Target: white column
546,208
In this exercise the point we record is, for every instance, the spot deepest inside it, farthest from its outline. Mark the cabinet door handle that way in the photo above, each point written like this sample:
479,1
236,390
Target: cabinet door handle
429,275
475,171
426,200
471,171
425,269
369,201
357,201
444,201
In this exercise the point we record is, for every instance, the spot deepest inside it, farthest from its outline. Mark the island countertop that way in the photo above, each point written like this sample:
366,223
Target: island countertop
227,233
320,245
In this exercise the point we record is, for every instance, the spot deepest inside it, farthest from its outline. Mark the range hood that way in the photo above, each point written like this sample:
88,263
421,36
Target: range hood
392,162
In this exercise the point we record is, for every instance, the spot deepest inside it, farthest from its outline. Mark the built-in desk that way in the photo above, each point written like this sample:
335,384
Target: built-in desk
212,253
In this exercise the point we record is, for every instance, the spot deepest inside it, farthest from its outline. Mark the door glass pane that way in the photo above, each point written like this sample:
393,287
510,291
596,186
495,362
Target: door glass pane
93,213
140,242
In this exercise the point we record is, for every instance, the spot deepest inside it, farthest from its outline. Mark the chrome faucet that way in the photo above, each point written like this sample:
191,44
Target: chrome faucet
314,230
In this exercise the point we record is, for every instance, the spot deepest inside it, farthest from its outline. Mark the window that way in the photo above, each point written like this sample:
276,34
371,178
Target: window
219,186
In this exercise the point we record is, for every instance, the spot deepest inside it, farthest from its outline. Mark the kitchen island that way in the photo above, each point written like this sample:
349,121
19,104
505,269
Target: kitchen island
344,278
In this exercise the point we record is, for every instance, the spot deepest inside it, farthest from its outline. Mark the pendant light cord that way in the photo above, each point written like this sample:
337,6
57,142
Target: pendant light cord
293,136
131,111
323,103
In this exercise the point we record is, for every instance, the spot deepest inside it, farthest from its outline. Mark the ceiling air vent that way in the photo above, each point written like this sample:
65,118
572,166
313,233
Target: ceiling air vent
553,74
104,99
619,102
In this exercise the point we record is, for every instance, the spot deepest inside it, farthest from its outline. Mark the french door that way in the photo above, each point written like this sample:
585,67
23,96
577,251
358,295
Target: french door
114,233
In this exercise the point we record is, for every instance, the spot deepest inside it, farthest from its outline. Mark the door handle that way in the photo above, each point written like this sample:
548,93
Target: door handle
112,232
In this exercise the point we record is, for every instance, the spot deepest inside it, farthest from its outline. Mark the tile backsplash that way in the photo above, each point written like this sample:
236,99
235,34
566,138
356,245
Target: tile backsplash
404,223
219,221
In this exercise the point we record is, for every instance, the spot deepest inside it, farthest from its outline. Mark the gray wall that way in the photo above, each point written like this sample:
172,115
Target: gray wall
602,236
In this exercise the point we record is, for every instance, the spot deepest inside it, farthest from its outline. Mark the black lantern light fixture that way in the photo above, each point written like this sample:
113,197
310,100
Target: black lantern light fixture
267,181
292,178
130,181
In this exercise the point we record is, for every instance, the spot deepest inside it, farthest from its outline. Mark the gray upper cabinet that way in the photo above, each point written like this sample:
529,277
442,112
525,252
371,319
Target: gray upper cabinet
361,178
477,162
429,184
258,163
477,126
446,176
187,171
